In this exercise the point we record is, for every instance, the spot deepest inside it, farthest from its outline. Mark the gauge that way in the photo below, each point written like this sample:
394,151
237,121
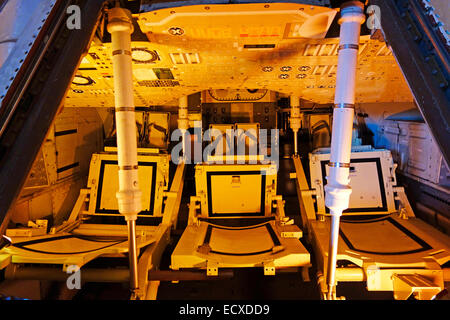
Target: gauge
143,55
82,80
237,94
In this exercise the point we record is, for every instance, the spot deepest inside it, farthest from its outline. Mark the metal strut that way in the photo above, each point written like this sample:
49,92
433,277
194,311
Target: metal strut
183,121
419,43
295,120
129,196
338,189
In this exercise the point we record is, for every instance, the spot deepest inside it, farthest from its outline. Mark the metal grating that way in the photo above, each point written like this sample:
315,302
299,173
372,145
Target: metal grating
158,83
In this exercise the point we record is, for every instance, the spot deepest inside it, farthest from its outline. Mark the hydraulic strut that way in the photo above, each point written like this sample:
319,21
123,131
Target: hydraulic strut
295,120
338,189
129,196
183,121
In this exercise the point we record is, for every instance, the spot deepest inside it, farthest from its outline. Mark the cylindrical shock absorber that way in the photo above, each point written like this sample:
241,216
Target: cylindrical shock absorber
129,196
295,120
183,121
338,189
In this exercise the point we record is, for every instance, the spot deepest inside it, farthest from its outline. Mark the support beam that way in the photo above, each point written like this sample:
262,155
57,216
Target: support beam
149,262
183,121
338,189
15,272
36,93
295,120
304,194
172,205
420,51
120,26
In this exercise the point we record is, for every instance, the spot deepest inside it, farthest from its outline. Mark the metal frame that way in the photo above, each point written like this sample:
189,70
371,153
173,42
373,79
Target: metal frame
160,178
194,250
26,42
151,240
203,173
384,169
23,137
380,272
424,63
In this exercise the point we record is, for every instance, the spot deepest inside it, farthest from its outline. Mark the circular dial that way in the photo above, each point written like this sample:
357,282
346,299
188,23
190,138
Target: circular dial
143,55
237,94
82,80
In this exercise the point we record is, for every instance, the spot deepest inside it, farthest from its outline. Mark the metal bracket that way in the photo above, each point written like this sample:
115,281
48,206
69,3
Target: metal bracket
405,210
212,268
269,268
194,205
305,273
5,260
407,284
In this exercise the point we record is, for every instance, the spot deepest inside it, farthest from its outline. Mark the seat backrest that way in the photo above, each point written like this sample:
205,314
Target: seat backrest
104,183
372,178
234,190
240,138
248,135
153,129
223,135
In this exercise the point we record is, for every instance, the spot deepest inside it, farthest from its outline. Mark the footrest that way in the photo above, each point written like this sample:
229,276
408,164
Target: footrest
75,249
206,244
407,284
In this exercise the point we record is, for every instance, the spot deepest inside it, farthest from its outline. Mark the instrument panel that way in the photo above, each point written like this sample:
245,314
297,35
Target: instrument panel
236,53
235,95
